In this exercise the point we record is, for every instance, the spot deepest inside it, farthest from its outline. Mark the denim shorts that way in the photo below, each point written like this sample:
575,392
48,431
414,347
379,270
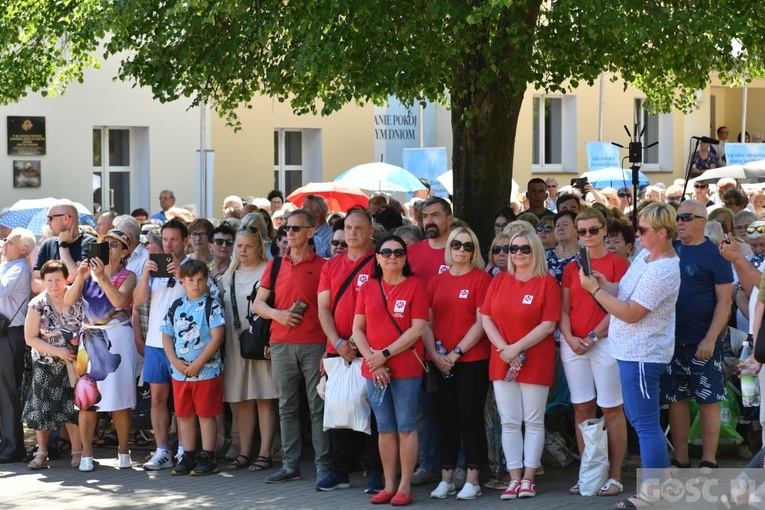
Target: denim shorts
398,411
156,366
688,377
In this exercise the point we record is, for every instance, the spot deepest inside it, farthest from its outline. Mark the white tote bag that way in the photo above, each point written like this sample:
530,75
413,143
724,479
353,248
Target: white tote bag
345,403
593,470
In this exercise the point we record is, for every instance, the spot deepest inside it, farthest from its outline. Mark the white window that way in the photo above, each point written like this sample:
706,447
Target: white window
112,169
654,128
288,160
554,133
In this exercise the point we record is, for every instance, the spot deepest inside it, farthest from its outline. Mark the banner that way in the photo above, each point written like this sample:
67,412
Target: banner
743,153
602,155
397,127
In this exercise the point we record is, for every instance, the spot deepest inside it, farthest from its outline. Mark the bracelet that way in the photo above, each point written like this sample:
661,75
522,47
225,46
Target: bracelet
337,344
596,290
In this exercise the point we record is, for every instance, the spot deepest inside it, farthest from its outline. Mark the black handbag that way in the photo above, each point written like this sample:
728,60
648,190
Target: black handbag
254,339
5,322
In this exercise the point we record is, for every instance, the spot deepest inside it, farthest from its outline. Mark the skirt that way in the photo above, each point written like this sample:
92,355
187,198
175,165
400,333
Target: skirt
50,402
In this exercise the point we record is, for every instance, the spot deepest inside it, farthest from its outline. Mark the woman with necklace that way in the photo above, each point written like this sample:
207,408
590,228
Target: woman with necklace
106,359
642,333
591,369
519,314
248,384
568,244
50,403
455,299
391,314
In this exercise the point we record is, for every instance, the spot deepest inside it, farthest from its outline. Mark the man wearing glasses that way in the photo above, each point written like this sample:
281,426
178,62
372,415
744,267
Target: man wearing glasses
66,245
297,344
703,307
166,201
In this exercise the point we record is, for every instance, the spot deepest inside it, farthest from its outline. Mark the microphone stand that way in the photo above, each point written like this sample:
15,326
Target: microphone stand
636,159
688,167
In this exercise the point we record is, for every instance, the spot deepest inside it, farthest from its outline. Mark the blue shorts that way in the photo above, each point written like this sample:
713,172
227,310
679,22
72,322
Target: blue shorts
398,411
156,366
686,376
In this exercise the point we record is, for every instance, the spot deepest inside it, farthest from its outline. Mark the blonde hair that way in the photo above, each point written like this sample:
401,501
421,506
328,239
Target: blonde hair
538,259
235,263
660,215
476,260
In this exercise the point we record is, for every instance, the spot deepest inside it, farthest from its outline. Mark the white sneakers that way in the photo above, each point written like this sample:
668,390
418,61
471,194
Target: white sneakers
160,459
469,491
444,490
125,462
86,464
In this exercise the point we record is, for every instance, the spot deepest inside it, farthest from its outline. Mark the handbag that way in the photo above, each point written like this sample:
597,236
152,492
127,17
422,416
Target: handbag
5,322
254,339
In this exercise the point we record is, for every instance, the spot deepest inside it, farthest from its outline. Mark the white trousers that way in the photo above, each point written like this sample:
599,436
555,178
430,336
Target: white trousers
522,404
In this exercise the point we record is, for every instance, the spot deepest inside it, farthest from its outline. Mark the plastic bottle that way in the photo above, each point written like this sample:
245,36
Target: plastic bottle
378,395
440,349
750,386
512,373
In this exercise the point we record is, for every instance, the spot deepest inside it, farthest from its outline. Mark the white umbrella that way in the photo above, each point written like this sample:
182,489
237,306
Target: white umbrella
380,176
751,172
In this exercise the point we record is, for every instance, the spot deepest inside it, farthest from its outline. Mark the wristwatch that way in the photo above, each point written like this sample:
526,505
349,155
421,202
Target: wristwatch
594,337
458,351
63,244
386,353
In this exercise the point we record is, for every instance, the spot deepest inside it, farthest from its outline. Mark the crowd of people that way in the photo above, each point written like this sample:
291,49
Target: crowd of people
460,344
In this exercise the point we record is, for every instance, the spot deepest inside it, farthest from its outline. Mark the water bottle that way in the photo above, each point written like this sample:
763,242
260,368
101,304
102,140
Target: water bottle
750,385
440,349
512,373
378,395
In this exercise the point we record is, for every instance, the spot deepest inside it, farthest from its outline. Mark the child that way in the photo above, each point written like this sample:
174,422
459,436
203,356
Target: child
192,334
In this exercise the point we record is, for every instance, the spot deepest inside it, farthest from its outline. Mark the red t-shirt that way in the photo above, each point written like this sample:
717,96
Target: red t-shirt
292,283
333,275
426,262
516,308
585,313
406,302
454,300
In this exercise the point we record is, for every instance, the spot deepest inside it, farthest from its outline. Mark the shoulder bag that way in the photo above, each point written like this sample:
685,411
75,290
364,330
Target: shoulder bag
254,339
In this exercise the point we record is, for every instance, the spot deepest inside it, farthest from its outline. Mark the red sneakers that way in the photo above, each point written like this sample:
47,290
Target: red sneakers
528,489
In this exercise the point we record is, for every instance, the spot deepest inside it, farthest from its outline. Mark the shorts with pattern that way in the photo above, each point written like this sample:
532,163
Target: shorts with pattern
687,376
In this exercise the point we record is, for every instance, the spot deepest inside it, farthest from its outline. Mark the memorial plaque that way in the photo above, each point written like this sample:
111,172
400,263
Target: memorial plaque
26,136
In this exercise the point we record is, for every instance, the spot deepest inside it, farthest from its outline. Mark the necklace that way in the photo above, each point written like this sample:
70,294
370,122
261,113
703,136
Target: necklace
660,255
387,294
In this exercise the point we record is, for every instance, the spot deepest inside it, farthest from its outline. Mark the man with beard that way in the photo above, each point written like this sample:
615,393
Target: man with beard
427,259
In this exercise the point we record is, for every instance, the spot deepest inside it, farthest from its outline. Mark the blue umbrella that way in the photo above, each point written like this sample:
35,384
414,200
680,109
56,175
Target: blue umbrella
380,177
615,178
33,214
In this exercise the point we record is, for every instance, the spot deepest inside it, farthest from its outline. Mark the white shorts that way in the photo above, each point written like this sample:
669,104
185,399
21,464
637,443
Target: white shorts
594,374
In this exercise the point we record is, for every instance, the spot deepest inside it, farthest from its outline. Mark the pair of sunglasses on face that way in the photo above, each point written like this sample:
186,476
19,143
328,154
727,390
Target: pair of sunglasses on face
514,248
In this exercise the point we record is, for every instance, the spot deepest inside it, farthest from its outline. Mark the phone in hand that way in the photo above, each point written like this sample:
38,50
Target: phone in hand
100,250
162,260
726,235
299,307
584,261
579,183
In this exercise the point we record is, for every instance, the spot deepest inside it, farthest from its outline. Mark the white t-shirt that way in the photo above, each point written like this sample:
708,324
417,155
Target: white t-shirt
655,286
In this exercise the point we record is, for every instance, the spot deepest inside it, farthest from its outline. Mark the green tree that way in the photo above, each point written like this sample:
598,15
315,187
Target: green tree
478,56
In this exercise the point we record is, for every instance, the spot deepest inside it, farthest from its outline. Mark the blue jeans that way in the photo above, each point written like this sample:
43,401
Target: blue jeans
398,410
641,405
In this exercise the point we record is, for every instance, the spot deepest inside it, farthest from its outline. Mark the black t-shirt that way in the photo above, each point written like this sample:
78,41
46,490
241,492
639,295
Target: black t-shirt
49,249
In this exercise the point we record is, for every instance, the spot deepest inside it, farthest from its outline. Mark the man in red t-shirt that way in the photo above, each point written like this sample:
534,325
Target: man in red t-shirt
427,259
297,344
336,311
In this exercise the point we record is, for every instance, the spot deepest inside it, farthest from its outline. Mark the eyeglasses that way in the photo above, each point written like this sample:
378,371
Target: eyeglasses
337,243
295,228
623,195
760,229
249,230
496,250
198,234
399,253
674,199
686,217
545,228
525,249
51,216
221,242
592,231
170,282
499,226
700,186
468,246
643,230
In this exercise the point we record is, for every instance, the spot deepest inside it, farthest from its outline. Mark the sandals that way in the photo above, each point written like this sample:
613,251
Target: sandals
39,461
574,490
237,464
727,503
612,487
76,457
632,503
262,463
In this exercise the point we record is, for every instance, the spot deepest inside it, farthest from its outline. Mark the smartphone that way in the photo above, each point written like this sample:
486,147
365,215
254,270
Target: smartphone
584,260
100,250
162,260
725,233
579,182
68,334
299,307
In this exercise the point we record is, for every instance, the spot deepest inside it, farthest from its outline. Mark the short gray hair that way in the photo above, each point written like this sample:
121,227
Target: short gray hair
128,225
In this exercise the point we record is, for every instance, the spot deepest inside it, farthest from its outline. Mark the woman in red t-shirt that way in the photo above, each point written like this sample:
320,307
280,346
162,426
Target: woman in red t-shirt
591,370
455,299
391,314
519,315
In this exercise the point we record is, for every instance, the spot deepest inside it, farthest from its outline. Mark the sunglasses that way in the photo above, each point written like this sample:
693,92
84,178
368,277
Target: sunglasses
592,231
643,230
115,244
700,186
170,282
759,229
249,230
545,228
294,228
674,199
525,249
623,195
496,250
499,226
399,253
221,242
51,216
456,245
339,243
198,234
686,217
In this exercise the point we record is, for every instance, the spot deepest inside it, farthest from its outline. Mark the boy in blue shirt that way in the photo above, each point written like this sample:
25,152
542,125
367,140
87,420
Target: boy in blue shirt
192,334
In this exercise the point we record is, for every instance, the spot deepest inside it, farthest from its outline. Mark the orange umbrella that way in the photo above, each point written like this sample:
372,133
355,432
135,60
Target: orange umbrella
339,198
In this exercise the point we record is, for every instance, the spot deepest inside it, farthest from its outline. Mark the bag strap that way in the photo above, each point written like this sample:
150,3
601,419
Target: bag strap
234,307
178,302
275,267
19,309
348,281
398,328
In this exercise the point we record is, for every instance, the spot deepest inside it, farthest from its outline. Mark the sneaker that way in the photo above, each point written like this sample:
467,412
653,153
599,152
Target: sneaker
86,464
285,474
528,489
206,465
161,459
512,490
125,462
469,491
444,490
460,477
333,481
421,476
185,465
374,483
